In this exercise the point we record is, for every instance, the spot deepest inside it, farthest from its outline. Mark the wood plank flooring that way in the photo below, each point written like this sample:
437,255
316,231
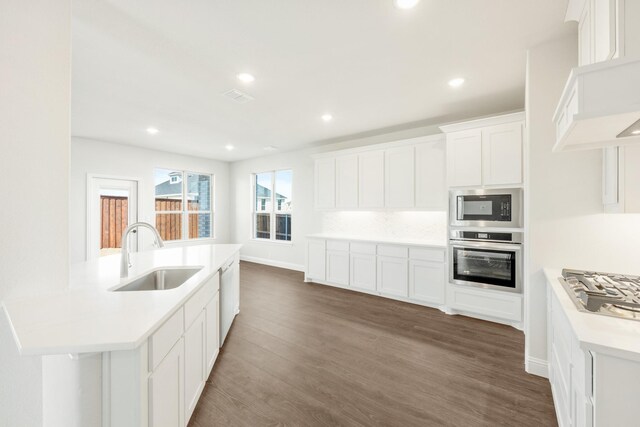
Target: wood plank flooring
311,355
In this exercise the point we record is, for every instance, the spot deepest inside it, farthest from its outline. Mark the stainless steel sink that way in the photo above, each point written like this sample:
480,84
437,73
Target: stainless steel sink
158,280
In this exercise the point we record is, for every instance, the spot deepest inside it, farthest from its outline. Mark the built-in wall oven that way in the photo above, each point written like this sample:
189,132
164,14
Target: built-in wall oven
486,208
491,260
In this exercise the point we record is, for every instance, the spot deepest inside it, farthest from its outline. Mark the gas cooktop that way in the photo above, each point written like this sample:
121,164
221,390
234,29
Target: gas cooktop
609,294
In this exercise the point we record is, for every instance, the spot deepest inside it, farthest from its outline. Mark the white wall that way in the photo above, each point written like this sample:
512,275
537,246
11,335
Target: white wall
567,225
97,157
35,81
306,220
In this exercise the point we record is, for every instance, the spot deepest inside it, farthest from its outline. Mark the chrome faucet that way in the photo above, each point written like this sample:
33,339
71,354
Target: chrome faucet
125,260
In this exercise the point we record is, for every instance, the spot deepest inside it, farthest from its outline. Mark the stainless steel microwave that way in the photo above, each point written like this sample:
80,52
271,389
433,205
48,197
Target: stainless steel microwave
486,208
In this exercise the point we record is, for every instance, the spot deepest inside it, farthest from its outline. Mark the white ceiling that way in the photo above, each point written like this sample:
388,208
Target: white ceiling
165,63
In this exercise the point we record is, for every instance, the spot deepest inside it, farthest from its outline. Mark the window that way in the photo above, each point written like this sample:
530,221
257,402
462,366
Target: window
272,205
183,204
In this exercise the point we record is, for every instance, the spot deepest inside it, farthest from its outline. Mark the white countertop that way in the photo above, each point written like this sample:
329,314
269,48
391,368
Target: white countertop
389,240
88,317
604,334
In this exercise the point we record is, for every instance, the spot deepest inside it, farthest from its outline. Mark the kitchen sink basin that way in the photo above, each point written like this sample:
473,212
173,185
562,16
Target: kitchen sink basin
159,280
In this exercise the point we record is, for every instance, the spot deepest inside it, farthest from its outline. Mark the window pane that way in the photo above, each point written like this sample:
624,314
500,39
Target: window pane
199,226
283,191
169,226
199,192
263,192
263,226
283,227
168,191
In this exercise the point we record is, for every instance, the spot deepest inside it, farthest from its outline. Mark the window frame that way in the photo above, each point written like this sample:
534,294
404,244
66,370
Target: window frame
273,212
185,212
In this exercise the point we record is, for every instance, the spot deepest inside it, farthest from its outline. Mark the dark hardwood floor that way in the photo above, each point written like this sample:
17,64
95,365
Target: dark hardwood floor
312,355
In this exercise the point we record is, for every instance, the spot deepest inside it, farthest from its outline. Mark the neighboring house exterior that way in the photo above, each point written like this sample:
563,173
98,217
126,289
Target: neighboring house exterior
283,220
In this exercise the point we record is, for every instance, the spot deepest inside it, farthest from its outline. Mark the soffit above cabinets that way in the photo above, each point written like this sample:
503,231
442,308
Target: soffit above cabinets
599,102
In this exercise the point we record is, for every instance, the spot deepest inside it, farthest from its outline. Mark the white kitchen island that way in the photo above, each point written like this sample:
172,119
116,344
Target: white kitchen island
137,358
594,362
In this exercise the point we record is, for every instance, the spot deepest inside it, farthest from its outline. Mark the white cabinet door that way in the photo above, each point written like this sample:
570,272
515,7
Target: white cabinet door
585,56
212,314
347,182
338,267
604,29
371,179
316,259
431,175
426,281
399,178
502,154
325,183
392,276
464,158
363,271
194,363
166,390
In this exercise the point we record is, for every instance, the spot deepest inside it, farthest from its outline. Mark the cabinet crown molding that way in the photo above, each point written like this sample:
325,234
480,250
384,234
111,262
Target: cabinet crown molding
484,122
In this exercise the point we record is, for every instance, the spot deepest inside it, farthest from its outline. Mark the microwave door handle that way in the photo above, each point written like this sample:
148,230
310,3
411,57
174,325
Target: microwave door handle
460,210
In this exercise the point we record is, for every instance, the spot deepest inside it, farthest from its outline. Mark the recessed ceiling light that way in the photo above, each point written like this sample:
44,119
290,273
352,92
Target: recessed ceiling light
246,78
327,117
229,147
405,4
636,132
457,82
152,131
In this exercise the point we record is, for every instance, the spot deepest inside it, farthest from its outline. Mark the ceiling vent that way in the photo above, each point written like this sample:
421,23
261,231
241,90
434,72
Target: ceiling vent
238,97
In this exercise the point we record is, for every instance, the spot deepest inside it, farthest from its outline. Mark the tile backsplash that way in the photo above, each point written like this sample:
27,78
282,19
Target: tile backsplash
382,224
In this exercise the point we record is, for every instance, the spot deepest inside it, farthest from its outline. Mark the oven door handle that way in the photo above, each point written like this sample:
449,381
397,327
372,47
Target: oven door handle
516,247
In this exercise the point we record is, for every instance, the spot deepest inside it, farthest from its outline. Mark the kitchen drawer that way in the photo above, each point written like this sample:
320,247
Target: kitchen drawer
427,254
165,337
196,303
393,251
501,305
337,245
363,248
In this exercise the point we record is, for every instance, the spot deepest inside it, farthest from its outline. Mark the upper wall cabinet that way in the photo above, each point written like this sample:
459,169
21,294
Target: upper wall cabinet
430,176
464,158
486,152
371,179
347,182
607,29
399,179
325,183
601,100
408,174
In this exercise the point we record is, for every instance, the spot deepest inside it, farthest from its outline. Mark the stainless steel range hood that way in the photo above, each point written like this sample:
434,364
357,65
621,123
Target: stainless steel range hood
600,106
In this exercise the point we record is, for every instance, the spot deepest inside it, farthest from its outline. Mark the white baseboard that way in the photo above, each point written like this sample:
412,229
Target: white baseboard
272,263
536,366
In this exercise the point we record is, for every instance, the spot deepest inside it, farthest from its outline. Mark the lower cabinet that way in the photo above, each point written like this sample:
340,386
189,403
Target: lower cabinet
409,273
338,267
159,383
363,271
392,276
316,259
427,281
166,392
195,373
592,386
